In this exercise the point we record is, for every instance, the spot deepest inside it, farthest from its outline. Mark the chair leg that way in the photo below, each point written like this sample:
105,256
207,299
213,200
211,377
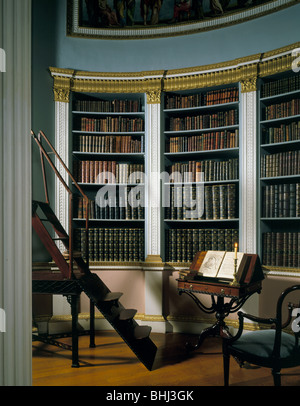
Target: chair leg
276,377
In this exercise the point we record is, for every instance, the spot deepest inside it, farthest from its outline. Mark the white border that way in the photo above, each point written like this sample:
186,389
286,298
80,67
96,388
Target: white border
173,30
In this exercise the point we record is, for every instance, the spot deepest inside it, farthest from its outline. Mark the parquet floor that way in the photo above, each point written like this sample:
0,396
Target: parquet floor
112,364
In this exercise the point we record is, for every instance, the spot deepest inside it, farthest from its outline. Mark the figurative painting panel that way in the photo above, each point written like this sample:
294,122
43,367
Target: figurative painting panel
160,17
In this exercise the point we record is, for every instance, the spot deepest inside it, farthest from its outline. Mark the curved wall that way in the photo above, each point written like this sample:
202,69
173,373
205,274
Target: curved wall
256,36
51,47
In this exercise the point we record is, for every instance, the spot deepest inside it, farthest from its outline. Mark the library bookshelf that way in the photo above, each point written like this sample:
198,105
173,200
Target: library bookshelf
108,154
190,125
279,139
201,158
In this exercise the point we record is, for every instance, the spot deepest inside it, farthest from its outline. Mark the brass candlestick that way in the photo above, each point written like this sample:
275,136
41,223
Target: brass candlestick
234,281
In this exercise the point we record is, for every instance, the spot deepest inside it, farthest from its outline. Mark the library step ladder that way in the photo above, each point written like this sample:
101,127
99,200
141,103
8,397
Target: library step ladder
108,303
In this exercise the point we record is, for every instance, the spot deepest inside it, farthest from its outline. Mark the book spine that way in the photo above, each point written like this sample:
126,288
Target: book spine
281,249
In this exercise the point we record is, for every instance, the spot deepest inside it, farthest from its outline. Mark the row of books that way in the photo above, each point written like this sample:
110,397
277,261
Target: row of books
207,170
108,106
183,244
208,203
283,109
202,99
111,244
203,121
203,142
283,133
280,164
116,207
281,249
280,86
112,124
109,143
101,172
281,200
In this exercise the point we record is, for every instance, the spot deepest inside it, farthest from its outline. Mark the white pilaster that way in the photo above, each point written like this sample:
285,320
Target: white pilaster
15,202
62,147
60,304
153,277
248,173
248,183
153,190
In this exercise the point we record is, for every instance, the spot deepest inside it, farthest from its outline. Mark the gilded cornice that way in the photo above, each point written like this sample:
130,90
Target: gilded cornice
245,70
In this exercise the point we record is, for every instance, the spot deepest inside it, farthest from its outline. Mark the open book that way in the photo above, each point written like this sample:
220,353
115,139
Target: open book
220,264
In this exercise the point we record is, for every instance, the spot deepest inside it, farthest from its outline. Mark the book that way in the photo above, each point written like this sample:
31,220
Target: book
199,240
220,264
197,261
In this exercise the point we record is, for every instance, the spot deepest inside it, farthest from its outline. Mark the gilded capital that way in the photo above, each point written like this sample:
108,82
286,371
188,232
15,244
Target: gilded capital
249,85
153,96
61,95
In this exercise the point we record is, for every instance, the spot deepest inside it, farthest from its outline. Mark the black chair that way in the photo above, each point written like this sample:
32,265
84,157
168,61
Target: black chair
272,348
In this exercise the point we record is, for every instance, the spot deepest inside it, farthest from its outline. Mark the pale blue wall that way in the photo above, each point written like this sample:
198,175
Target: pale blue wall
259,35
51,47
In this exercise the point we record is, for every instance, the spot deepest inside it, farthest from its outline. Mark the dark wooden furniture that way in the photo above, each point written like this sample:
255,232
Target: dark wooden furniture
52,283
75,276
192,285
272,348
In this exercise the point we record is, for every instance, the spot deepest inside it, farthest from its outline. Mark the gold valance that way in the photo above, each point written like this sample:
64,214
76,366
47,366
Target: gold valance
244,70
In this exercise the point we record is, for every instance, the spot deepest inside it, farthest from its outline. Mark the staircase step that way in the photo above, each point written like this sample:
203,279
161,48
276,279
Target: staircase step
127,314
141,332
49,213
110,297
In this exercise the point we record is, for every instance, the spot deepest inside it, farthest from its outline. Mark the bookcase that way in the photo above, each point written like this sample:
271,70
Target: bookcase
201,163
280,170
108,155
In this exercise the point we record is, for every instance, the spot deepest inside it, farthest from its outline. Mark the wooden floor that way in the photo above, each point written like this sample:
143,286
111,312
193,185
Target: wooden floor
112,363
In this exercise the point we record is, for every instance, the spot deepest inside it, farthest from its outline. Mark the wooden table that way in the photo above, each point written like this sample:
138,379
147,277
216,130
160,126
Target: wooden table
218,291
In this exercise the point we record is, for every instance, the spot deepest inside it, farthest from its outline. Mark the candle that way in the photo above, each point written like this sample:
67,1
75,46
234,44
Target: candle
235,250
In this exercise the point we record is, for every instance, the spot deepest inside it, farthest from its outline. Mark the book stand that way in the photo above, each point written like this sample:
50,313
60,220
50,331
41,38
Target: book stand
237,295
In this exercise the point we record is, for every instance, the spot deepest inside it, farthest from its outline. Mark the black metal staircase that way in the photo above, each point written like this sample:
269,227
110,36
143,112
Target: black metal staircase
76,269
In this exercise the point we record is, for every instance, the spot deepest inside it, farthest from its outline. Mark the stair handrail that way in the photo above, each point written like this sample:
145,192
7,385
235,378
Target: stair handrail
44,154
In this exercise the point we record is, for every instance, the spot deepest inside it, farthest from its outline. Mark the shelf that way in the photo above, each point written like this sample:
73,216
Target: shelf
280,218
113,155
111,220
284,96
111,184
202,130
202,221
221,106
225,151
97,113
280,178
211,182
133,133
277,145
278,120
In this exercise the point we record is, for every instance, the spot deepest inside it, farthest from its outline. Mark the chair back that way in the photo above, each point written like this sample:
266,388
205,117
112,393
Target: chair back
291,313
